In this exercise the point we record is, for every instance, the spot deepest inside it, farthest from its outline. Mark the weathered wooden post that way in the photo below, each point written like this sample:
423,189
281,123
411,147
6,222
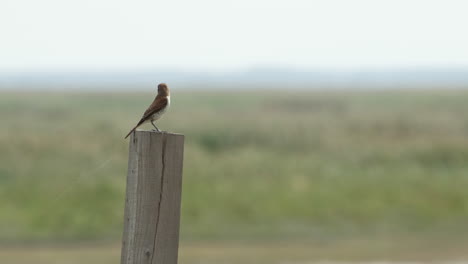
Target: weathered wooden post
152,204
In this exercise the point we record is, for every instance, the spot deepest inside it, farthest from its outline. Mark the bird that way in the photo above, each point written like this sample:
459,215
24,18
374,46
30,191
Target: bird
156,109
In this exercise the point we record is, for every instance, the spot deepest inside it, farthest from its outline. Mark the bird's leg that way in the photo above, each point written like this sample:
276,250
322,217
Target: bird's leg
157,129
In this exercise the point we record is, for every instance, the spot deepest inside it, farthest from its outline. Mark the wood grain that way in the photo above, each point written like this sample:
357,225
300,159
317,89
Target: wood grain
152,204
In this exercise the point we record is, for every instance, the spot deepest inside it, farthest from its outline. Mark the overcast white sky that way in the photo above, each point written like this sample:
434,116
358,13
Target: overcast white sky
228,35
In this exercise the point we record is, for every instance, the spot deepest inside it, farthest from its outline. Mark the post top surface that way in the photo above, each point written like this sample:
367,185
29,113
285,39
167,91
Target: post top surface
156,132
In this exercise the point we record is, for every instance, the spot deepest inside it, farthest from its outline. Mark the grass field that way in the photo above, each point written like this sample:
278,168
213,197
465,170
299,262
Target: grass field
269,166
341,252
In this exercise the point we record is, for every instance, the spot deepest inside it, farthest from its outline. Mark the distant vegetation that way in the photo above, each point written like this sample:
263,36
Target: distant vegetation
257,165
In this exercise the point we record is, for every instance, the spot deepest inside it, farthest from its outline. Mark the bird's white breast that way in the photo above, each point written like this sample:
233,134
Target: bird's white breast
158,114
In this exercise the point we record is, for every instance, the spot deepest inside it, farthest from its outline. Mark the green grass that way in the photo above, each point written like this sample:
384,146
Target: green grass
214,252
258,165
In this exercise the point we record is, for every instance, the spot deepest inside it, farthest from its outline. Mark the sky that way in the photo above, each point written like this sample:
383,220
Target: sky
216,35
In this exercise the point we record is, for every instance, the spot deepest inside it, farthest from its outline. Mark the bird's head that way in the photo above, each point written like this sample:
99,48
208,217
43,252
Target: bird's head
163,90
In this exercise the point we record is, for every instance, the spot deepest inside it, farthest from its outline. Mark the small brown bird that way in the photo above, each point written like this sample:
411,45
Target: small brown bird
156,109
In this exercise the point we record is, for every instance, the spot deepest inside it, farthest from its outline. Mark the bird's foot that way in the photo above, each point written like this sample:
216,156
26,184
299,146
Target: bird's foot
157,129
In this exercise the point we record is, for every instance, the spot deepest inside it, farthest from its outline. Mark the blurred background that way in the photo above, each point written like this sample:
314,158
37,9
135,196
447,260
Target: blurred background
315,130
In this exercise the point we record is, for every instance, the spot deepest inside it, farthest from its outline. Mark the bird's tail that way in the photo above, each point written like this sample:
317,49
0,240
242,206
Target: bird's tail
133,129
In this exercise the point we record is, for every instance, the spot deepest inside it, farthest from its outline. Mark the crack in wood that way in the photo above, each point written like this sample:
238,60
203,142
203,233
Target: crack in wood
163,167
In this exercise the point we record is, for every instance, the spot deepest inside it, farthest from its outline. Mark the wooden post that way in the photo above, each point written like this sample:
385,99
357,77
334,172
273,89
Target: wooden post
152,204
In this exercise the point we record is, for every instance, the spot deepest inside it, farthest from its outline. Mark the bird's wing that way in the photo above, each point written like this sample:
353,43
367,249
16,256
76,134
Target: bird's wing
157,105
